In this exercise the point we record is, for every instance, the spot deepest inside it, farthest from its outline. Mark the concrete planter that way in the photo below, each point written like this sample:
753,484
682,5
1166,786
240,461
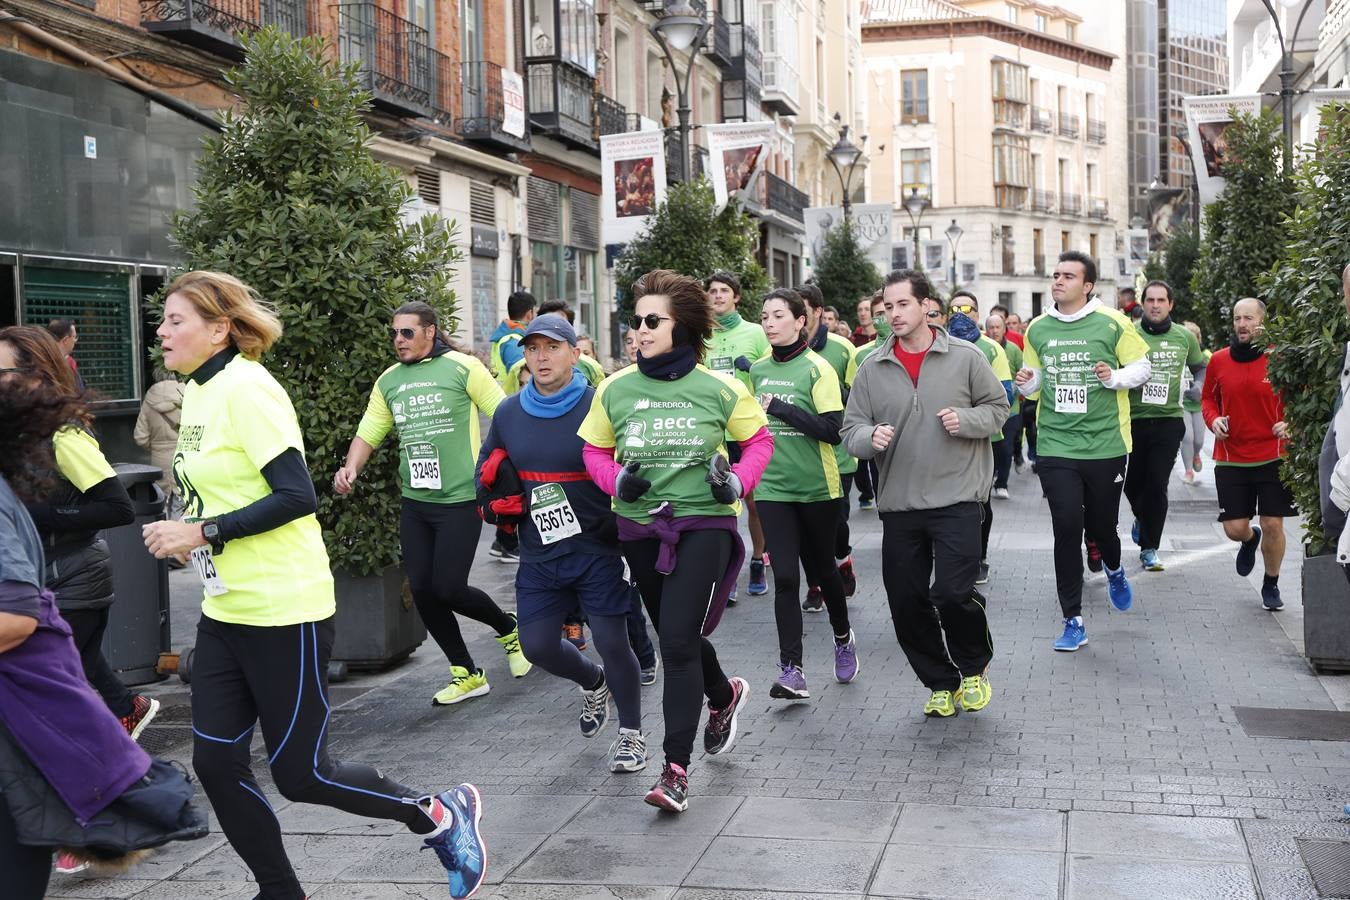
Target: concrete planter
377,625
1326,614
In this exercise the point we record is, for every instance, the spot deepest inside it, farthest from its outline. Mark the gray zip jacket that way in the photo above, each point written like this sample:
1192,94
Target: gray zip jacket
925,467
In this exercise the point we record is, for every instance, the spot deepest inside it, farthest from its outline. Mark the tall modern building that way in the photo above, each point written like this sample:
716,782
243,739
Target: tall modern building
1176,48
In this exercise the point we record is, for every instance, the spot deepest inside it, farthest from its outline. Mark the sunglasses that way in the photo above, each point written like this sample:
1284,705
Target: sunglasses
966,308
651,320
933,314
406,333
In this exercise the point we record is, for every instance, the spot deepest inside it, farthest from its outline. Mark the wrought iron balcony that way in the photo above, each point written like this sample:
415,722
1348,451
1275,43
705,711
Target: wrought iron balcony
563,104
482,106
611,116
1096,131
395,56
1068,125
781,196
719,42
747,63
1042,201
214,25
1070,204
1042,120
1098,208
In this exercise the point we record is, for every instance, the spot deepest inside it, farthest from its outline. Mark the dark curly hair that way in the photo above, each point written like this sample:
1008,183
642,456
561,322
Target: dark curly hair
31,410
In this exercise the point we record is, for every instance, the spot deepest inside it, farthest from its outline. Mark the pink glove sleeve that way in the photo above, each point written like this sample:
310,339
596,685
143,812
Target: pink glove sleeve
602,468
755,455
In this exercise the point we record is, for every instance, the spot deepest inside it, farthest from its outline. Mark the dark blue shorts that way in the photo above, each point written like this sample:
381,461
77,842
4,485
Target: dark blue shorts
556,586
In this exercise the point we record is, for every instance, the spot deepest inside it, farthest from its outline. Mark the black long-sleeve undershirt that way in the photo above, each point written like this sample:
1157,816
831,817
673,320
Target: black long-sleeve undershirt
292,497
820,426
105,505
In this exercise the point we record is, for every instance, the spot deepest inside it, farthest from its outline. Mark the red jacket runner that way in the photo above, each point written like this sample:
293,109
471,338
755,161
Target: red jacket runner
1242,392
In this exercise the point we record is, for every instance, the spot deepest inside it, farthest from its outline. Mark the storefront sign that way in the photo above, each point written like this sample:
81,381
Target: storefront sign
483,241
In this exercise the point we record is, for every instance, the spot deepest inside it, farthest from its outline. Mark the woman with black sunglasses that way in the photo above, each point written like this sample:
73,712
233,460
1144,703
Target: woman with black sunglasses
432,397
654,440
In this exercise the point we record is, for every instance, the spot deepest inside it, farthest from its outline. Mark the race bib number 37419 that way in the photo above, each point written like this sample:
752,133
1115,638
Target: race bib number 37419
1071,399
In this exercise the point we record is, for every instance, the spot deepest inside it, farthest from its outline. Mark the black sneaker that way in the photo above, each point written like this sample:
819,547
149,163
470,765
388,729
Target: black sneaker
1246,555
815,601
1094,556
982,576
720,732
848,577
1270,597
671,791
502,554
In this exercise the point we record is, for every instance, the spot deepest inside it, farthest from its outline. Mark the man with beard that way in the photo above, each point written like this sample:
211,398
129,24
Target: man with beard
1247,417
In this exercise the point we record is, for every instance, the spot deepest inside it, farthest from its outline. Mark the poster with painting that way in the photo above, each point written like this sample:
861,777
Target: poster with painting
633,183
1208,120
737,152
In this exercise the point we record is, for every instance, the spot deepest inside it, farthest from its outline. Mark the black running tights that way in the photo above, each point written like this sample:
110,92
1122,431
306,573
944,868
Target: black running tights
1084,495
794,531
86,628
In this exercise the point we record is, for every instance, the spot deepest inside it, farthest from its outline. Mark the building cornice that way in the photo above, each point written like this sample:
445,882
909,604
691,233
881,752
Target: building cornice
472,157
983,26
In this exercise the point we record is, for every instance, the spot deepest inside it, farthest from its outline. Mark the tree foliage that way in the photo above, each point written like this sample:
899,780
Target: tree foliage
1307,320
687,234
1174,263
1244,228
290,200
843,272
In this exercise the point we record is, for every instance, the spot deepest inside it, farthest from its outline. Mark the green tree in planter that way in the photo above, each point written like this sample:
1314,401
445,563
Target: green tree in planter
843,272
1307,319
1175,263
290,200
687,234
1245,228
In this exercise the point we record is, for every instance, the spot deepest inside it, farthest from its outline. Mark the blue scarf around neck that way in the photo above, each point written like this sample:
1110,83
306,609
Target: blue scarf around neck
554,405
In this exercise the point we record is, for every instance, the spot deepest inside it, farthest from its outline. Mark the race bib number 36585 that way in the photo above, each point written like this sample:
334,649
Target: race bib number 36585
1155,392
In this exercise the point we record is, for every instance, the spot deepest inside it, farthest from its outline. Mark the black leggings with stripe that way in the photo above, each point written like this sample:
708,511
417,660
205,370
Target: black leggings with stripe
243,675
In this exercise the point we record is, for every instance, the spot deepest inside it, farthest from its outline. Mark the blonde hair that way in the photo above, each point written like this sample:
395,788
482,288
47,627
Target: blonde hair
254,326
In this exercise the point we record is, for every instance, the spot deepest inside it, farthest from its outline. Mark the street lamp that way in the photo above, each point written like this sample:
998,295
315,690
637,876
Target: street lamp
915,205
844,156
953,234
1287,71
681,28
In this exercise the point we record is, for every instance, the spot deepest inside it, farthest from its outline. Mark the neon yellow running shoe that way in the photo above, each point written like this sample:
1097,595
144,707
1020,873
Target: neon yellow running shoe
974,693
464,685
940,705
515,658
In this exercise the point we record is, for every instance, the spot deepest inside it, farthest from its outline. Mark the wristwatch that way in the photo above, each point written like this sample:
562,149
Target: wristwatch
211,531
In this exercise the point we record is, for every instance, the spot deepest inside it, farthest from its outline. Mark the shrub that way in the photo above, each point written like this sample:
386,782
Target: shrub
843,272
1174,263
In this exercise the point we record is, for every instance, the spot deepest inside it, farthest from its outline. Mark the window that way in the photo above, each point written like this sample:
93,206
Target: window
656,82
914,95
572,38
622,69
1091,182
1011,12
1065,177
1040,22
1064,243
423,14
1010,81
1012,170
916,173
1071,31
1038,249
1092,245
1036,164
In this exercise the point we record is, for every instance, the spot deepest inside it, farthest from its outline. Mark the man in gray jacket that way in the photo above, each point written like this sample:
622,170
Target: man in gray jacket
924,407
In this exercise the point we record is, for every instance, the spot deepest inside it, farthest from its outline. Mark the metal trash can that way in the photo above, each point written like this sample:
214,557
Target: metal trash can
138,622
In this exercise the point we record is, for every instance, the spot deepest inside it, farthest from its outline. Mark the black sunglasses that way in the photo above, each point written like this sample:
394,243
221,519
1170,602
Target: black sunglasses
652,320
406,333
933,314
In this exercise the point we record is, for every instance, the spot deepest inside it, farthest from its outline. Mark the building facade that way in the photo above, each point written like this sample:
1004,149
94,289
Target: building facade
1255,58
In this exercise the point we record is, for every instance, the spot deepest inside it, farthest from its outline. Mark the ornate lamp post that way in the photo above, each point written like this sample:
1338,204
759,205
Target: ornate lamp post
953,234
844,156
916,205
1287,70
681,28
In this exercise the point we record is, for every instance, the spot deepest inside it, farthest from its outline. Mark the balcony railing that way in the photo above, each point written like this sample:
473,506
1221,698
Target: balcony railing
214,25
610,115
780,196
1070,204
1096,131
476,89
1042,201
719,41
1098,208
1068,125
780,85
395,56
562,103
1042,120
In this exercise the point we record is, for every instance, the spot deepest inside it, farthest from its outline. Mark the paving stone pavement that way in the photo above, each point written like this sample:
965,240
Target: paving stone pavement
1117,771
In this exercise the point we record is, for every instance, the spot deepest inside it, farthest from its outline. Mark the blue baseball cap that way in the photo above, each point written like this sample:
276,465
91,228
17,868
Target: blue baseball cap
552,326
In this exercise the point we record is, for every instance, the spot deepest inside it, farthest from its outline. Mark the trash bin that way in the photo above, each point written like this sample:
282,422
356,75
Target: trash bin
138,622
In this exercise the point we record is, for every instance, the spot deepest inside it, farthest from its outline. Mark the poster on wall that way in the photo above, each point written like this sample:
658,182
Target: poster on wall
1208,120
633,183
935,258
513,103
737,152
871,223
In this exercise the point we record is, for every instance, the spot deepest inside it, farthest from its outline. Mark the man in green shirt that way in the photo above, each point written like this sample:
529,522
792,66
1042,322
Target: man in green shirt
1157,419
736,345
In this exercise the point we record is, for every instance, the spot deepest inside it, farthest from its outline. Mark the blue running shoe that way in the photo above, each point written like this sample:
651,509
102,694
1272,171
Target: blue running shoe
1134,533
460,847
1074,636
1118,586
1347,809
758,584
1246,555
1149,560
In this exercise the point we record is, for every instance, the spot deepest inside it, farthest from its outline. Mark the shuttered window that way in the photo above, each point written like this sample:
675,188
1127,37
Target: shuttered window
429,185
542,205
482,205
100,305
585,220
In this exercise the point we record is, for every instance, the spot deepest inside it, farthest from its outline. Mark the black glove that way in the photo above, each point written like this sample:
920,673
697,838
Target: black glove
741,363
629,485
726,487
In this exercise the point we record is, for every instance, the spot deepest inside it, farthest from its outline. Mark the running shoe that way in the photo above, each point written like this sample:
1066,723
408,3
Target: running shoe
574,634
1270,597
1196,463
460,847
846,659
867,504
940,705
982,573
628,753
68,864
731,598
1188,477
671,791
758,586
464,685
1020,466
502,554
1134,533
848,577
1246,555
1118,587
1000,493
515,658
814,602
1094,557
1149,560
143,711
1074,636
720,732
791,685
648,674
1035,470
594,709
974,693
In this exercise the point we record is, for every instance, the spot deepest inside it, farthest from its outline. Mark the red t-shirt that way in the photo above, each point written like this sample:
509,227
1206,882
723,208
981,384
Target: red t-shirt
911,361
1017,339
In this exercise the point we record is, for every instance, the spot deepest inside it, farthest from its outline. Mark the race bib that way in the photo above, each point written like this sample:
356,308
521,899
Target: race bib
1071,394
205,565
424,467
721,364
1155,391
552,514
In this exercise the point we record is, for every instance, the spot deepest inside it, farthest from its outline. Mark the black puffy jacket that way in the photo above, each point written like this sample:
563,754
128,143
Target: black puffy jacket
79,566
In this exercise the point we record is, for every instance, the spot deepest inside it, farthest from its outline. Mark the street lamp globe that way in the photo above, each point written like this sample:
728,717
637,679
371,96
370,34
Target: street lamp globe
915,204
844,153
679,26
954,232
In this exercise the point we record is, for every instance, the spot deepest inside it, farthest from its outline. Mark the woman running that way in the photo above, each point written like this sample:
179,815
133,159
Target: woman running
1193,442
799,493
266,629
654,441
